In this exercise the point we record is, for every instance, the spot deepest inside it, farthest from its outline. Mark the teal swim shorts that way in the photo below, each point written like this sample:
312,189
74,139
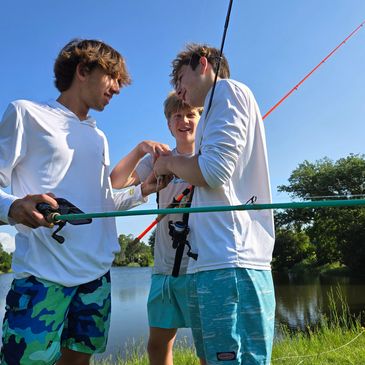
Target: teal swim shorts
232,315
167,304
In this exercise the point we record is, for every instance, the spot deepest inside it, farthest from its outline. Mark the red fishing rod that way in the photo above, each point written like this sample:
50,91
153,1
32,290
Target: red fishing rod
312,71
175,203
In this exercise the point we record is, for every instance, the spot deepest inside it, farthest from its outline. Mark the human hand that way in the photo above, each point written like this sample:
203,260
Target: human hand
161,166
23,211
155,149
153,184
162,171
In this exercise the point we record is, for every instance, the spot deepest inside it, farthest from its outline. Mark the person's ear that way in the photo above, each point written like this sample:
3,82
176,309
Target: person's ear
169,125
81,71
203,62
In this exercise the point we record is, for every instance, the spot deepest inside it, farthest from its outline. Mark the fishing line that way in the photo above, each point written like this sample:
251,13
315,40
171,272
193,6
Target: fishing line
284,358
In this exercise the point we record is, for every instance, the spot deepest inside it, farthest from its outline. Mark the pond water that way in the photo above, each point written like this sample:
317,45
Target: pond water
299,303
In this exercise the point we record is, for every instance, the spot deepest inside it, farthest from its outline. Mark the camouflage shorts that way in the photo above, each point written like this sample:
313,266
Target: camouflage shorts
41,317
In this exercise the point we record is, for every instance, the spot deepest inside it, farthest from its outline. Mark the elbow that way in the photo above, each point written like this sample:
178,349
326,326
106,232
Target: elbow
214,177
214,173
114,181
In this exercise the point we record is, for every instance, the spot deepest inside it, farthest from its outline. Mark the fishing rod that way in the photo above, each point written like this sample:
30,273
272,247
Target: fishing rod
312,71
264,117
175,202
223,208
226,24
275,105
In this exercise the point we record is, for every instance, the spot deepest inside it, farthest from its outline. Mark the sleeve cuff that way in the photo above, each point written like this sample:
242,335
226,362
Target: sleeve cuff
138,194
6,200
129,198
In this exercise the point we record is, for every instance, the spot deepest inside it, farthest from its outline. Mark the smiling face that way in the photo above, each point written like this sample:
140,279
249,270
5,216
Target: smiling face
182,125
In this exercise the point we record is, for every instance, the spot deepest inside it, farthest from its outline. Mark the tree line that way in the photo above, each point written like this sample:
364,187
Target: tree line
323,235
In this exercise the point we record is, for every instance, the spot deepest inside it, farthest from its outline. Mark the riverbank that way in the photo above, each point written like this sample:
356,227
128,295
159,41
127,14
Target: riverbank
333,346
338,339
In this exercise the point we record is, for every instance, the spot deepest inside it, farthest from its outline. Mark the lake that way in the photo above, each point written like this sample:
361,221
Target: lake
299,302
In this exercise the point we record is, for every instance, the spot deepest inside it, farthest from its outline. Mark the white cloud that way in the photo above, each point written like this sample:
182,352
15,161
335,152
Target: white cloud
7,241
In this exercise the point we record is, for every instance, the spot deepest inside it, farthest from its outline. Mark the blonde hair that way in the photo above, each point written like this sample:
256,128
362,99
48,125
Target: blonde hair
173,104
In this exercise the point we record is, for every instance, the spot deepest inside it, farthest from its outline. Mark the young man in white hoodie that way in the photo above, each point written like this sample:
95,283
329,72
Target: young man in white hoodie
231,298
58,307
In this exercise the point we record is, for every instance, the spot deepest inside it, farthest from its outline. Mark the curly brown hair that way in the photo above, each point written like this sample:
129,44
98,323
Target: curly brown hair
91,54
191,56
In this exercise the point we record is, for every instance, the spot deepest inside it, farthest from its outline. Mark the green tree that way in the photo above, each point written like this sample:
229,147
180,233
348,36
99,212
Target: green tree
132,252
5,260
151,241
291,248
332,231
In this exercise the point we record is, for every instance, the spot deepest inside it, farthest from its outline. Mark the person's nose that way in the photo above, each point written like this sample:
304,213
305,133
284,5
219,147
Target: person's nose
115,87
178,89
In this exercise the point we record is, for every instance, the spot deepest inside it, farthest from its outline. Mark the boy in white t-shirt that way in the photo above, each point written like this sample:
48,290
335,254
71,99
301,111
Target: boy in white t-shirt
167,302
231,296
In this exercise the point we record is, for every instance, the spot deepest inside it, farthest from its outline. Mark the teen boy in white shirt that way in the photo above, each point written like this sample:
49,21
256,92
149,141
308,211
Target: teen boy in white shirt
231,294
59,301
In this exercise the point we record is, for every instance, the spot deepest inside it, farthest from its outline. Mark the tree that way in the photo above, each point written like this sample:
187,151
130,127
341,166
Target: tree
132,252
291,248
151,241
5,260
332,231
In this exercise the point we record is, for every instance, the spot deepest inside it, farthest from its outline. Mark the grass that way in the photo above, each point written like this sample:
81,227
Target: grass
339,339
136,355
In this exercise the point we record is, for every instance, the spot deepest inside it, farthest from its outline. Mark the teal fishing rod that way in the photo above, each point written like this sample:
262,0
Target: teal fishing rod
208,209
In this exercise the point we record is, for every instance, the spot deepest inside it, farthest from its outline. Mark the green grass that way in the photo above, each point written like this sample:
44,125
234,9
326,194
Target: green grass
339,339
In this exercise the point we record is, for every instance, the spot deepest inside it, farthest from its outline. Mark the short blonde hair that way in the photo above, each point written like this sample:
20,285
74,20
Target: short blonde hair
173,104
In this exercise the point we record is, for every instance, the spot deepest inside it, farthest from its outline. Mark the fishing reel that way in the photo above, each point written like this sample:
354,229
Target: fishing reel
178,232
64,207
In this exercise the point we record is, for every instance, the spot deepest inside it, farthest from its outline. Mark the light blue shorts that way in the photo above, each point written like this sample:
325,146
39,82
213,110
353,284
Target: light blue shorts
232,315
167,302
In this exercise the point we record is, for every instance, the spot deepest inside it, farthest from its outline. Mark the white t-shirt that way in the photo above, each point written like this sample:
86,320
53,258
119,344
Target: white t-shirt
46,148
164,253
233,161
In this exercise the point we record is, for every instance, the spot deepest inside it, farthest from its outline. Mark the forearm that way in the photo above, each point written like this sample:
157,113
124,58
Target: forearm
186,168
123,173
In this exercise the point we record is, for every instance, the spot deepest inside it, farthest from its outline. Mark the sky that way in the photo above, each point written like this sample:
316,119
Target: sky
270,46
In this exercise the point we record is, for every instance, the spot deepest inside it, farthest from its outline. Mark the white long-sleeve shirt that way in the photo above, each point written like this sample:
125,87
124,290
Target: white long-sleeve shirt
46,148
233,161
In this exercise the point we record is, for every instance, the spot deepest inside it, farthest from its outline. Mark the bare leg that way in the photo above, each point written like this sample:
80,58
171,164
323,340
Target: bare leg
70,357
160,345
202,361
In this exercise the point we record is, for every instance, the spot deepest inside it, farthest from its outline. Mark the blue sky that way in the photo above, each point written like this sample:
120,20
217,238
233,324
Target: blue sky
271,45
